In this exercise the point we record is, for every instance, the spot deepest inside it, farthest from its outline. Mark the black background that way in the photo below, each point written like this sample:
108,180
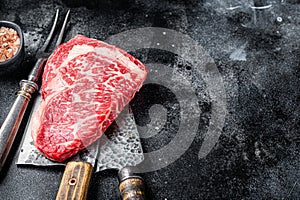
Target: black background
257,154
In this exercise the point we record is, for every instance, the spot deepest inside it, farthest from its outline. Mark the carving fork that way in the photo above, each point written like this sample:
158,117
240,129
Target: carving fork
13,120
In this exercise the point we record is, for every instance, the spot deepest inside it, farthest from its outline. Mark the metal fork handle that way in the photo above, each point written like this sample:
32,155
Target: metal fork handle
10,126
13,120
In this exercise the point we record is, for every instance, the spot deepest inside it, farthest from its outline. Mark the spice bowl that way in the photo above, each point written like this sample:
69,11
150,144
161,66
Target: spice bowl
12,49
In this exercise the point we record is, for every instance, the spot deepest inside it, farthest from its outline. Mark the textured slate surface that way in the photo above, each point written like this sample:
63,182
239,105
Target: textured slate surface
257,56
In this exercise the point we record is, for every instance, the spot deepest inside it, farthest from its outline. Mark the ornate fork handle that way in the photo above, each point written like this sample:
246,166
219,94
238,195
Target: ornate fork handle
13,120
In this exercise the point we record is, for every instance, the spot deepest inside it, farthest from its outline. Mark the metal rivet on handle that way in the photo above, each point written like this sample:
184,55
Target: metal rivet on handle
72,181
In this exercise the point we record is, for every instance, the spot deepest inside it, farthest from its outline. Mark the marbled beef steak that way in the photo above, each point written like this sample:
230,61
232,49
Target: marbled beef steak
86,84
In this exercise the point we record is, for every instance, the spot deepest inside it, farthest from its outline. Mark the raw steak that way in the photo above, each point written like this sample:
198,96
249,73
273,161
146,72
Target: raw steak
86,84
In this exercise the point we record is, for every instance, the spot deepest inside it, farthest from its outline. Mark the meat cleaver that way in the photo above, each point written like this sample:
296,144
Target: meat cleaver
119,148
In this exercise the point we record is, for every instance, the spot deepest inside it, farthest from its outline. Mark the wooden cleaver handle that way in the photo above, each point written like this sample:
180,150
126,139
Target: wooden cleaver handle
131,186
75,181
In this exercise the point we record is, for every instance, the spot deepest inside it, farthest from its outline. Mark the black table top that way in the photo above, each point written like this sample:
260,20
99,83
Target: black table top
219,114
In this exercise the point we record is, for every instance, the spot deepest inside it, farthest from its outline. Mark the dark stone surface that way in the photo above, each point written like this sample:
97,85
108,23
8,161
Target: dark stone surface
257,153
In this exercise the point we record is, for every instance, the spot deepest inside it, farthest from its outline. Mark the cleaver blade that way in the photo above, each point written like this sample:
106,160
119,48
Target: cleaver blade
118,148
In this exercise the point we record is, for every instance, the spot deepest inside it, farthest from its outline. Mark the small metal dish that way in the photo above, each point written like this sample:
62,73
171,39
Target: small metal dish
10,65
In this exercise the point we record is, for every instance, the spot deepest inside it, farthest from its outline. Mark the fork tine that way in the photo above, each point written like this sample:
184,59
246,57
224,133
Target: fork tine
45,45
59,39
